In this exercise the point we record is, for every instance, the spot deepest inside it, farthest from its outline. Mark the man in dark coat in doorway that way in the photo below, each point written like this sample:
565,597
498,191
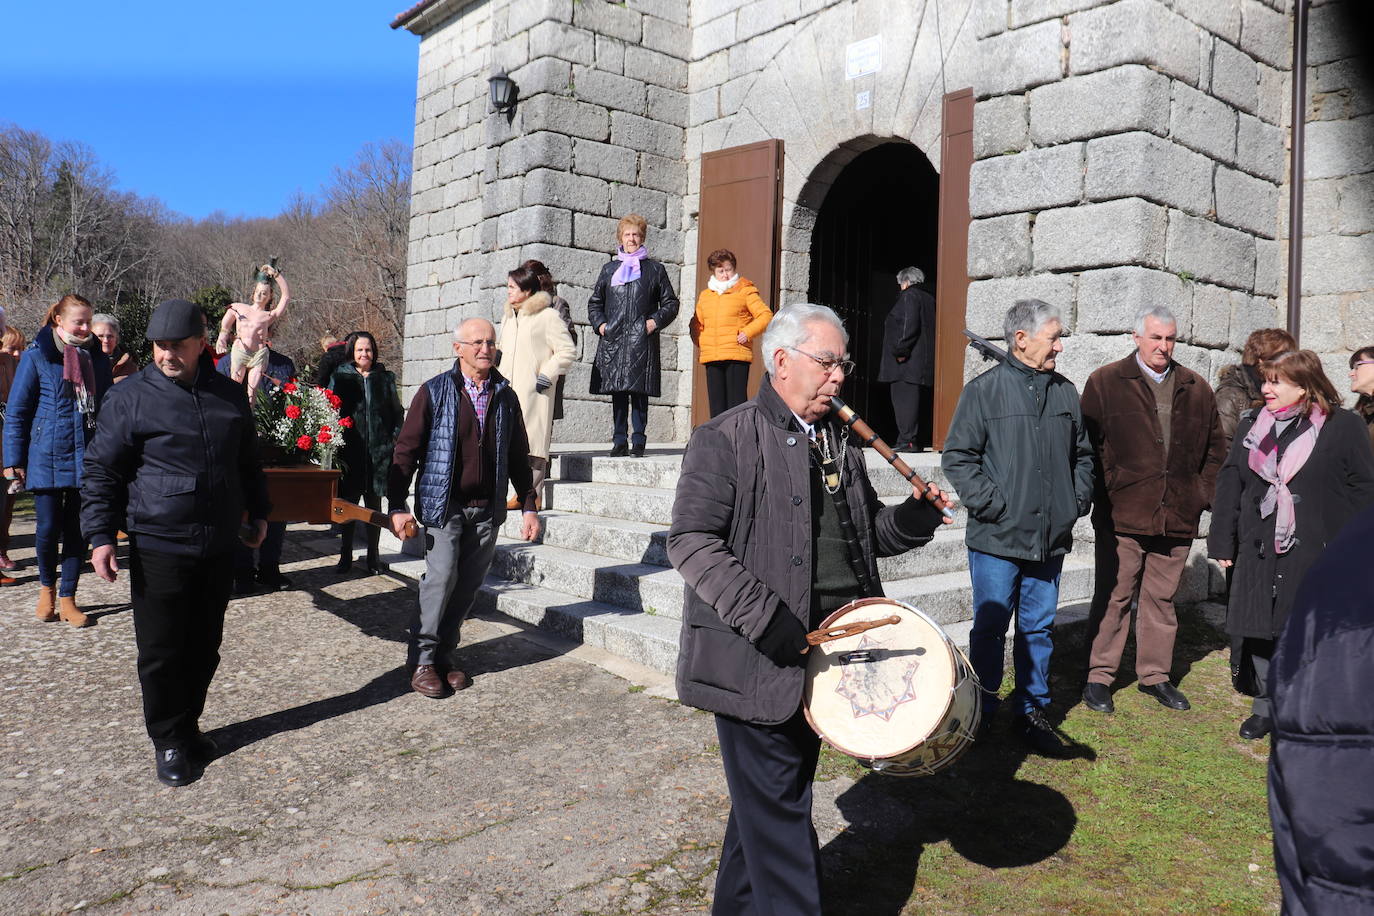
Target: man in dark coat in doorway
908,360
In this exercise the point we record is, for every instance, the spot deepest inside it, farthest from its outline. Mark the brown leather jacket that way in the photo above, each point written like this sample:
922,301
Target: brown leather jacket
1138,493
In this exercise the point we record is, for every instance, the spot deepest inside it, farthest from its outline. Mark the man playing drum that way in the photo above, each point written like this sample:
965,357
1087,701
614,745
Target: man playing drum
759,535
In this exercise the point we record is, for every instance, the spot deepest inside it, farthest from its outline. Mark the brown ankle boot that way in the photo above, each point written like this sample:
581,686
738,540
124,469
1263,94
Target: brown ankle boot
47,597
72,614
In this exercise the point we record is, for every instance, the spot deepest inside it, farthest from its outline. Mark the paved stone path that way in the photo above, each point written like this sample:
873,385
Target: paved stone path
551,786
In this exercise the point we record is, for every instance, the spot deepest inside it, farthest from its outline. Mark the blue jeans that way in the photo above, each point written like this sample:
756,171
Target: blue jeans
1030,589
58,514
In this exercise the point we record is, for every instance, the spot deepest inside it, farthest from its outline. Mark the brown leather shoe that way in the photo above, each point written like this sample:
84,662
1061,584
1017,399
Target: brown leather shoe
425,681
69,612
457,679
46,610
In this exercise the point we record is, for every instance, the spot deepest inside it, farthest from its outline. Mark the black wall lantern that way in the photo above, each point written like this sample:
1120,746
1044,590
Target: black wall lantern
504,93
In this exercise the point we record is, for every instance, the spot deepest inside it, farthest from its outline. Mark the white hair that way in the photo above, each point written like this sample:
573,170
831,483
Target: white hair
1029,315
105,318
1160,313
910,276
791,327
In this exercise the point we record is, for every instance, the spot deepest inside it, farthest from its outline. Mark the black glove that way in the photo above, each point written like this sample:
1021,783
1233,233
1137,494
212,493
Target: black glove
918,517
541,383
784,639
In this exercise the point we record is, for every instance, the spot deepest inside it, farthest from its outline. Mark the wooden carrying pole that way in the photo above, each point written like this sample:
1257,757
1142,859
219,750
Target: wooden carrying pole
342,511
866,434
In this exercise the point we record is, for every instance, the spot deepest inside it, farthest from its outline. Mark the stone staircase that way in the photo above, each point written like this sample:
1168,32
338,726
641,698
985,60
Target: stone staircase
601,573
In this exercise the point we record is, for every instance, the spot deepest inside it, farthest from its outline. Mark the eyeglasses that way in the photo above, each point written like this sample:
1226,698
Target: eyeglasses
479,344
828,364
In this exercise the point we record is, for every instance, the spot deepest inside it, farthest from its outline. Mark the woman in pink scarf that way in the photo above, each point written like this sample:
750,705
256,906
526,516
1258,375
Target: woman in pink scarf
49,418
1299,468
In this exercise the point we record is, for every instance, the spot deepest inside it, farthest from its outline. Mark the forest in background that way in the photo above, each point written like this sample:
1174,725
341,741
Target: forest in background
65,227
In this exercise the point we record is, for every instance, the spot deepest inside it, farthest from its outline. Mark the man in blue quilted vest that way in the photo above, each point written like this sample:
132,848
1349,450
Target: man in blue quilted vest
465,437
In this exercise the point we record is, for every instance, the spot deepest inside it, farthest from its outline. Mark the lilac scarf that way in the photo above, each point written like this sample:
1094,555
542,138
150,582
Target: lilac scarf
79,373
1264,461
628,270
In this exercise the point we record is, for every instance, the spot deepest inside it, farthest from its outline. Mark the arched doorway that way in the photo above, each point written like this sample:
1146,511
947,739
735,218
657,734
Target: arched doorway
880,214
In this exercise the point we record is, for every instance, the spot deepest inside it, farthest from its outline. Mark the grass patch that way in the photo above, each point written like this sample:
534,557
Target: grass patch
1161,812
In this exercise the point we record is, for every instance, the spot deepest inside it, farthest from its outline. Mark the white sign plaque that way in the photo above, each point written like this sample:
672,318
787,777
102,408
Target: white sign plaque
862,100
863,57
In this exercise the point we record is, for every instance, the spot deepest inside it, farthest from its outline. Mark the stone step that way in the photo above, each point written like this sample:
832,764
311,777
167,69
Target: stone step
948,597
640,504
635,586
651,639
644,542
661,469
629,586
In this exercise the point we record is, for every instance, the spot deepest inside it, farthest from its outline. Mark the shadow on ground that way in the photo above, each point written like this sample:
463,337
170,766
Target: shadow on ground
979,806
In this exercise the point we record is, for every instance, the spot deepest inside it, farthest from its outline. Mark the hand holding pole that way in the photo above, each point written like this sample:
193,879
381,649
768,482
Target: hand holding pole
868,437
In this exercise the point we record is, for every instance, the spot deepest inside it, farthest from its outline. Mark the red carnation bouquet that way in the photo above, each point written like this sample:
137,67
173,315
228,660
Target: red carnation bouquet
300,419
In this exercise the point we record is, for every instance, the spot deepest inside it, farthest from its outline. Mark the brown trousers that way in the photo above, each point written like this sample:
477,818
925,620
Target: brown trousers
1126,562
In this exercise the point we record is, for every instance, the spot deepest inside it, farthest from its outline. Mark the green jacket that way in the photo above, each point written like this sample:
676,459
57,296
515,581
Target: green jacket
1023,471
375,408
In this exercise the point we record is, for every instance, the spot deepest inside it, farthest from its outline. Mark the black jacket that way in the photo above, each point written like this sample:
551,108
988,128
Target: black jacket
175,467
1336,482
742,539
627,355
909,335
1321,770
1025,473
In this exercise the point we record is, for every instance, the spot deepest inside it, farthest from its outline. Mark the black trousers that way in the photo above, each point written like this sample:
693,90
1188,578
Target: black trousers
727,384
631,407
770,862
372,533
179,604
911,403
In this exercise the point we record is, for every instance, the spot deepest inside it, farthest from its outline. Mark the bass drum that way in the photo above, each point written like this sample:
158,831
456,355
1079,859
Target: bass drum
900,698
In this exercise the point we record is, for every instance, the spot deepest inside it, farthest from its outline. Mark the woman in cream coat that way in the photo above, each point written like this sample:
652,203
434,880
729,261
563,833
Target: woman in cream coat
535,350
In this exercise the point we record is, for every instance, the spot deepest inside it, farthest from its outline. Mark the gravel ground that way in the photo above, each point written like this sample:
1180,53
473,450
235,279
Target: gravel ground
553,785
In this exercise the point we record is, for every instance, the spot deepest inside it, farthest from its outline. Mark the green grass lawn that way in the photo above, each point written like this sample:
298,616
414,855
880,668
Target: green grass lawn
1160,812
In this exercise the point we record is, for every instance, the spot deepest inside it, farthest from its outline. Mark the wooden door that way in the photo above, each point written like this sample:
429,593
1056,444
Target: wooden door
951,290
740,209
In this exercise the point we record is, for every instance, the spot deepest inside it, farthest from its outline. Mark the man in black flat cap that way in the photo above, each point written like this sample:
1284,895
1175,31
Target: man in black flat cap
174,462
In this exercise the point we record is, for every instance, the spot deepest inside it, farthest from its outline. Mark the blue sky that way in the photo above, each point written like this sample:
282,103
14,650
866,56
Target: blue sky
212,105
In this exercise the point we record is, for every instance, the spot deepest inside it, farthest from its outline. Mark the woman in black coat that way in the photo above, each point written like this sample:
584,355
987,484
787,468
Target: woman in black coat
368,399
1299,468
632,302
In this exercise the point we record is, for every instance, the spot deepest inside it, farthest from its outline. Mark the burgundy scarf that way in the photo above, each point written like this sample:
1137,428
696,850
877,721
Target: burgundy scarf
79,373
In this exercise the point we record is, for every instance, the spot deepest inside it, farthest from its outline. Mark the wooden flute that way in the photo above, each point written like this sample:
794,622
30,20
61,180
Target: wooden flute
866,435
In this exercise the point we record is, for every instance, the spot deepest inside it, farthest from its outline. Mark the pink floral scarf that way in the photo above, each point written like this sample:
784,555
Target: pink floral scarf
1264,461
78,372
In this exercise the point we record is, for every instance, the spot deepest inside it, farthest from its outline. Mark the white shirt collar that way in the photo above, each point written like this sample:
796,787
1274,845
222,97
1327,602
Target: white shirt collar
1159,377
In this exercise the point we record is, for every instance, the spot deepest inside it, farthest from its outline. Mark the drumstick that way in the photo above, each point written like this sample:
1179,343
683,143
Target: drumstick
827,634
865,433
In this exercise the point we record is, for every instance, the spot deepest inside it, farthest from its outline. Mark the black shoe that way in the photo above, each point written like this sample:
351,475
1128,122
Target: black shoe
202,748
1167,694
375,567
620,450
636,451
1098,698
1040,735
1256,727
244,585
273,580
173,767
343,565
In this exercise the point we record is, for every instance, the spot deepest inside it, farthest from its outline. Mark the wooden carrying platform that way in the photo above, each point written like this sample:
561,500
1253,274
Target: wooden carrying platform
303,493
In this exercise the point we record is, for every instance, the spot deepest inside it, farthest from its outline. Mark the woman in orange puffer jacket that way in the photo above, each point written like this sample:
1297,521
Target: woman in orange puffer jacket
729,314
